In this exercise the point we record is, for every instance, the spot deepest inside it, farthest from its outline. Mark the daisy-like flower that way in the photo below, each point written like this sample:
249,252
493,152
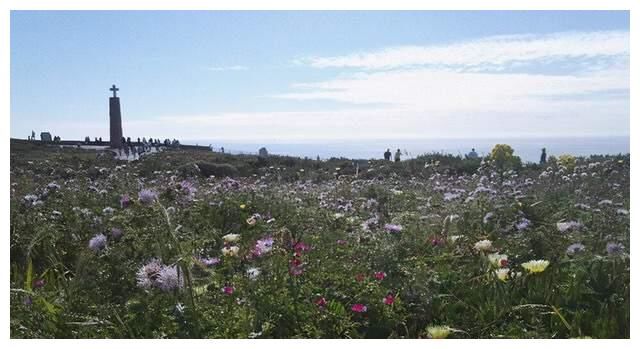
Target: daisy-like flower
263,246
147,197
482,245
498,260
536,266
253,273
231,238
359,308
230,251
438,332
502,274
98,243
568,226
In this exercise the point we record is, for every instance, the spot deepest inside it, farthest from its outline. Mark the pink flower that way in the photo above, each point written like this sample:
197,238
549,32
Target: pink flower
380,275
296,270
359,308
504,262
389,299
38,283
228,290
301,247
321,302
341,242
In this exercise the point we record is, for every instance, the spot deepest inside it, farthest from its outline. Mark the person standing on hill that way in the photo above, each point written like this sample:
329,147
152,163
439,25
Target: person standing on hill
543,156
472,154
387,155
397,157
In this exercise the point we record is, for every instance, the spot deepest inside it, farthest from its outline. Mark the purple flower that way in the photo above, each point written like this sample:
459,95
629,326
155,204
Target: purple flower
147,275
188,188
38,283
169,278
116,233
209,262
98,242
523,224
614,248
393,228
125,201
147,196
575,249
263,246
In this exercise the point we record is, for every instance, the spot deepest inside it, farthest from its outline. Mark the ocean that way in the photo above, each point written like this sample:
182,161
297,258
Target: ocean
527,148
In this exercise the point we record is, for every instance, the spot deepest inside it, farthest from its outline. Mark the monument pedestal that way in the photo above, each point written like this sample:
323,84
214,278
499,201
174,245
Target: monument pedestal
115,120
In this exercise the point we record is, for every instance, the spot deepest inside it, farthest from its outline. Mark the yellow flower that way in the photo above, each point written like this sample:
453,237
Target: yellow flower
536,266
231,237
502,274
231,251
439,332
243,206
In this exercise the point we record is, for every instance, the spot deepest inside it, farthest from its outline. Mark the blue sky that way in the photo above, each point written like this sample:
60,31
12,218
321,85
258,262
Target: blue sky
305,76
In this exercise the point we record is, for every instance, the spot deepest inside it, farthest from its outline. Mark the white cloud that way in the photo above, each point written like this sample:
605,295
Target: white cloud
491,51
228,68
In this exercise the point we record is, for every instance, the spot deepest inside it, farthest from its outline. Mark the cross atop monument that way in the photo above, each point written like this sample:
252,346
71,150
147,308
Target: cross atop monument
114,89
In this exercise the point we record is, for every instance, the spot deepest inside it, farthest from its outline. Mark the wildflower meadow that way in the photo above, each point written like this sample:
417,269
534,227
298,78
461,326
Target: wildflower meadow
196,244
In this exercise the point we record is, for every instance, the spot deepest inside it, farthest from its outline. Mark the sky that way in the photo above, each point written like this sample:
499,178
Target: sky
321,75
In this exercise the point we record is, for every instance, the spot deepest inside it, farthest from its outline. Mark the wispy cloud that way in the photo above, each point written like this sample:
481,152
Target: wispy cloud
491,51
227,68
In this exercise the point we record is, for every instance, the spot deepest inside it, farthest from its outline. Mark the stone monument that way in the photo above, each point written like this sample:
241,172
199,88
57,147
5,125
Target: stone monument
115,119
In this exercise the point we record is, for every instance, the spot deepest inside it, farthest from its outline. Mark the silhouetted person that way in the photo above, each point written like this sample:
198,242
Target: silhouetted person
387,154
472,154
129,142
100,139
543,156
397,157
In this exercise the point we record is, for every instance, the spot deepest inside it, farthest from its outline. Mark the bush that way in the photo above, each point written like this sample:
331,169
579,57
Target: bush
208,169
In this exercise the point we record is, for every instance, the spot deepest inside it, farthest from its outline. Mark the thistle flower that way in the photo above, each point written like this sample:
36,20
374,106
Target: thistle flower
482,245
535,266
230,251
438,332
116,233
614,249
98,242
393,228
169,278
209,262
147,275
574,249
147,197
359,308
523,224
502,274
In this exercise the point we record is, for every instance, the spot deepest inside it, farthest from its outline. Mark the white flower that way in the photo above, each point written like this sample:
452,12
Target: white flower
253,273
231,251
231,237
502,274
536,266
483,245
